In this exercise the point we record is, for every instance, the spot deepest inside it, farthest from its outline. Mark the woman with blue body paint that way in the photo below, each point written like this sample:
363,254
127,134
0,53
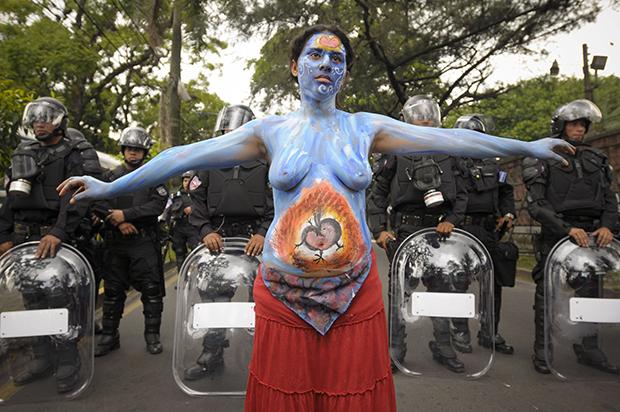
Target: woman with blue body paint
320,342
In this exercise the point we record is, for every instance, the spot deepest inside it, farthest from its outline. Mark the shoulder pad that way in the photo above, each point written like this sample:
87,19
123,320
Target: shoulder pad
532,168
162,191
27,145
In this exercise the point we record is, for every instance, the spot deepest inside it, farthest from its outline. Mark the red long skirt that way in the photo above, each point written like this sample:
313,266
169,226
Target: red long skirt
294,368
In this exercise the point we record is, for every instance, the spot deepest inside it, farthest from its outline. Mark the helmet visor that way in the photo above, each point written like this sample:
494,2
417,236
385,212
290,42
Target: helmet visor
580,109
422,111
230,118
41,113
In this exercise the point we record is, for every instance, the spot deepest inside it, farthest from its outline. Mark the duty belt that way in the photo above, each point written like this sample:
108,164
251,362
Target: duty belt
419,220
583,222
31,229
142,234
236,229
480,220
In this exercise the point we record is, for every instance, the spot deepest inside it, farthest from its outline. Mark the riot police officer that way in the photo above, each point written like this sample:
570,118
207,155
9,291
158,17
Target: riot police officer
34,212
573,199
233,202
423,191
490,211
184,234
132,252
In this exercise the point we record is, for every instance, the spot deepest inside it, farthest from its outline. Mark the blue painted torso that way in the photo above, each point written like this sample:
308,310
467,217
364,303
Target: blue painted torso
319,173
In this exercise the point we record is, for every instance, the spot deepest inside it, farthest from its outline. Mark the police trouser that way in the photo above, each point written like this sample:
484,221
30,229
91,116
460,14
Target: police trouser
184,236
485,232
405,226
543,244
133,261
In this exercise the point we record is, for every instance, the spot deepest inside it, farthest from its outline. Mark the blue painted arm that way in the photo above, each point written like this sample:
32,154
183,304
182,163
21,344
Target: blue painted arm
238,146
396,137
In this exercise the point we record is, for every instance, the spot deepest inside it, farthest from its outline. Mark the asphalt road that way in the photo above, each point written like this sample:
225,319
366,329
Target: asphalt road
130,379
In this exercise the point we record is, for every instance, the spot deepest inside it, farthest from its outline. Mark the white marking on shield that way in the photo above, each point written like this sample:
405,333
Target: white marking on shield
223,315
41,322
445,305
594,310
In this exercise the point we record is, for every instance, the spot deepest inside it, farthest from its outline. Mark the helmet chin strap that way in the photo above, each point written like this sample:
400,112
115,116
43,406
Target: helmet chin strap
46,137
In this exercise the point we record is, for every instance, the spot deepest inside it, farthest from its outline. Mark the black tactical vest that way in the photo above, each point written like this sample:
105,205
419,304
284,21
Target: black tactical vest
580,186
238,191
137,197
51,161
481,177
403,192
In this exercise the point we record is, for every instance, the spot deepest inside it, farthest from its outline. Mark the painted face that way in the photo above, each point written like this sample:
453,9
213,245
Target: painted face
322,66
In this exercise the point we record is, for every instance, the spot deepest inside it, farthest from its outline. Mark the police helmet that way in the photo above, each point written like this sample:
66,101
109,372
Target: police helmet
44,110
135,137
231,117
477,122
575,110
422,108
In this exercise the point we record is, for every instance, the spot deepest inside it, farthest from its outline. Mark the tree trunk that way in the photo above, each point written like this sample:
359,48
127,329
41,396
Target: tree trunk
174,109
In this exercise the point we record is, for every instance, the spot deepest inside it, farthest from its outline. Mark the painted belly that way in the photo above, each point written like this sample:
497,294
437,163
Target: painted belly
319,233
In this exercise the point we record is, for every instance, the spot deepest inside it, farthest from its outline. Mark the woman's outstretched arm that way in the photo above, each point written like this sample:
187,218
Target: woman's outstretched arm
241,145
396,137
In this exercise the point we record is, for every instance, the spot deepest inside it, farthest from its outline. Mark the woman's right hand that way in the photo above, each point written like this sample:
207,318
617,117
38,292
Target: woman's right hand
84,187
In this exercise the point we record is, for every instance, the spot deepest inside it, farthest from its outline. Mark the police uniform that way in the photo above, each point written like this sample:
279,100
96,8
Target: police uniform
30,218
489,197
237,201
184,234
393,186
233,202
133,260
562,197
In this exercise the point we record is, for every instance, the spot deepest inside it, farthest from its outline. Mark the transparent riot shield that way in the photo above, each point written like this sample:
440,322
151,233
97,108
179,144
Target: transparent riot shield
582,311
214,320
441,298
47,310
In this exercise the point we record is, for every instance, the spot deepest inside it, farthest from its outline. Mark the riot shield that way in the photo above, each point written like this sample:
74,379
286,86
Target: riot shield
46,325
441,298
582,311
214,320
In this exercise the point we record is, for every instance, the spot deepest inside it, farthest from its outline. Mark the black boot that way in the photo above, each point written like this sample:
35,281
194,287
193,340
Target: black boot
212,356
107,342
153,344
538,359
153,306
39,366
588,353
500,343
501,346
68,369
109,339
441,347
461,338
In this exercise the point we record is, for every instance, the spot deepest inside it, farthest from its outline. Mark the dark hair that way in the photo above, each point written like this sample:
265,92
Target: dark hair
298,43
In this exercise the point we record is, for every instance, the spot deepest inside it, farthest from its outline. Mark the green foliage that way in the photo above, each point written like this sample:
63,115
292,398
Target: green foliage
525,110
12,102
100,59
198,115
403,47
